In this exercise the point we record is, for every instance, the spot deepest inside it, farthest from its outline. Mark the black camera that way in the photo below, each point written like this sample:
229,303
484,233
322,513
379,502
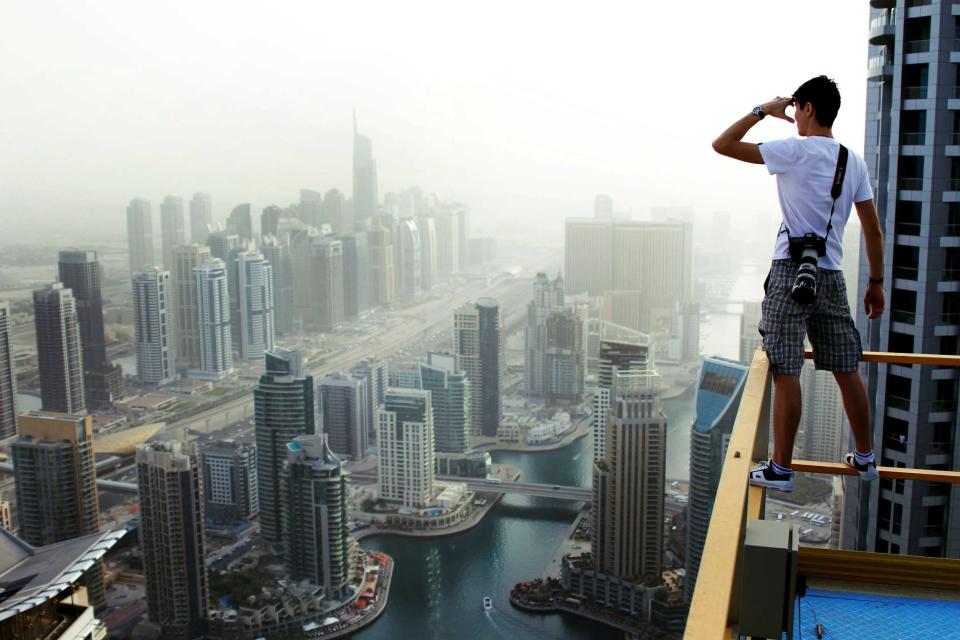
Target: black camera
805,250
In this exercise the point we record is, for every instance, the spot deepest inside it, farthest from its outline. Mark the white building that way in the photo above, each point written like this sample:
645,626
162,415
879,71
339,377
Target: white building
255,288
405,439
213,312
152,308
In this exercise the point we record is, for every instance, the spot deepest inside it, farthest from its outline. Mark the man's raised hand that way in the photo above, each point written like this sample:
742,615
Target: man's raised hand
778,108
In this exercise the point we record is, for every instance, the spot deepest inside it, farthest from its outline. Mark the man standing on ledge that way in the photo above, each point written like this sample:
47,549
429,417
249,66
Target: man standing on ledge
810,170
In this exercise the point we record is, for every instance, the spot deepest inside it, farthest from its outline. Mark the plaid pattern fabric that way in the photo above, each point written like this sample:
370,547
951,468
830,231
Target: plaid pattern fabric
827,322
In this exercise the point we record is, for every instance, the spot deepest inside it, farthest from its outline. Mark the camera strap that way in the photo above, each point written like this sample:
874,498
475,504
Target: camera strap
835,190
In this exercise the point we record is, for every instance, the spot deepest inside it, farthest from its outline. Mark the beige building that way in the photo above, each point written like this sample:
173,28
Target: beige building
405,439
186,321
382,279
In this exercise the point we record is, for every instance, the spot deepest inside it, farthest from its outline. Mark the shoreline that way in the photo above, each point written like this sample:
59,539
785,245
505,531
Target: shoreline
582,430
378,610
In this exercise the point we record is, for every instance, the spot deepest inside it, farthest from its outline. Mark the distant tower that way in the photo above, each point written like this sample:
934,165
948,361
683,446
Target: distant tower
356,274
152,303
374,373
201,217
628,486
283,409
255,288
59,357
405,440
364,177
479,342
229,482
213,305
427,227
8,377
56,481
80,272
603,207
223,245
277,253
172,232
343,410
409,260
327,261
449,248
623,352
565,359
185,308
171,538
750,339
718,397
240,222
269,219
547,298
316,539
382,282
332,212
140,234
450,397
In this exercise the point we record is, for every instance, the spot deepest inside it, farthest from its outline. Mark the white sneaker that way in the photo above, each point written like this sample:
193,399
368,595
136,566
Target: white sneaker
867,471
763,475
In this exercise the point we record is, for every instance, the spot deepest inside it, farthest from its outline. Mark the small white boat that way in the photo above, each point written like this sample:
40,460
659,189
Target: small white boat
487,603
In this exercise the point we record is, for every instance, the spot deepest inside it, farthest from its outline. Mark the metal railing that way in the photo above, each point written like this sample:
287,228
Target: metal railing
714,611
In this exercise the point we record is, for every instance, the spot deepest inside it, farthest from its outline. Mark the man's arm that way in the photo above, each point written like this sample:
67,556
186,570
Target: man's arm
730,142
873,301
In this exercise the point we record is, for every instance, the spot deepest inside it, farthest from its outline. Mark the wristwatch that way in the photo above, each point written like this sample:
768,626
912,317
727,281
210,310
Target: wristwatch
758,111
876,280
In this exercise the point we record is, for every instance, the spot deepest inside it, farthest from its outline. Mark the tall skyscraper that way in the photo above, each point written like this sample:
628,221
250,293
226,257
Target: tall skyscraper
382,282
80,272
449,248
269,219
140,234
56,482
186,314
356,274
427,227
172,231
201,217
229,482
240,222
8,377
478,343
750,338
332,212
171,538
213,308
547,298
374,373
255,288
450,397
152,302
343,409
59,357
409,282
223,245
603,207
301,242
327,262
628,486
277,253
719,390
565,360
405,440
623,353
364,177
283,409
316,539
587,256
910,120
824,425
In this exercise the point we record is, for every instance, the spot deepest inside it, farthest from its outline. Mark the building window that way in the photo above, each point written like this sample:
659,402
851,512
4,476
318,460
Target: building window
906,259
913,127
903,305
915,77
911,173
909,216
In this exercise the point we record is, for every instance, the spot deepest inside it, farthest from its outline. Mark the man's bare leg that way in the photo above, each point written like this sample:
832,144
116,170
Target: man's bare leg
787,407
857,406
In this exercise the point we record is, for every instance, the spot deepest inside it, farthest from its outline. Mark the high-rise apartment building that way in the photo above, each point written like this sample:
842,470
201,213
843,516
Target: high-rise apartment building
750,338
333,212
8,377
478,342
565,357
587,255
240,222
171,538
56,483
213,319
719,390
316,536
152,304
911,125
382,282
283,408
224,245
624,354
356,274
405,440
80,272
364,177
547,298
450,397
172,230
229,482
409,274
327,289
448,244
628,486
277,253
343,410
201,217
375,374
255,289
824,425
269,220
59,356
140,234
427,227
185,308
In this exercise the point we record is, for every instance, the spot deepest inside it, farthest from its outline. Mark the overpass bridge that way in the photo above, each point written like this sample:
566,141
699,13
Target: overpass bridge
560,492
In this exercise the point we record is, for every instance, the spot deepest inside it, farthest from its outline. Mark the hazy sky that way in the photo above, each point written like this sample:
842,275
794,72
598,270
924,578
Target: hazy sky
521,110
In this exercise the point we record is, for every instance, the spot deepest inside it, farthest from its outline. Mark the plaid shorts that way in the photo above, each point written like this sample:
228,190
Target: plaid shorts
827,321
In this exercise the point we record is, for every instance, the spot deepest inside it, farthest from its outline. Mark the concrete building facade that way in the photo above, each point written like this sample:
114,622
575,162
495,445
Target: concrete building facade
479,346
186,315
343,409
229,482
59,355
152,322
213,319
140,234
405,439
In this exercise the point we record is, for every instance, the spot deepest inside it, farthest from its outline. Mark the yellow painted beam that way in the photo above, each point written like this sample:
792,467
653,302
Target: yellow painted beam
896,473
931,359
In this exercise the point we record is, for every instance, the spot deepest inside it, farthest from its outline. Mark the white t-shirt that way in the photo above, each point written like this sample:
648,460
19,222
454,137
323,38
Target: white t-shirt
804,168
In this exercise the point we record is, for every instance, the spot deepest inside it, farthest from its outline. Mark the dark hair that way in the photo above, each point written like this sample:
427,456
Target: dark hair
823,94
